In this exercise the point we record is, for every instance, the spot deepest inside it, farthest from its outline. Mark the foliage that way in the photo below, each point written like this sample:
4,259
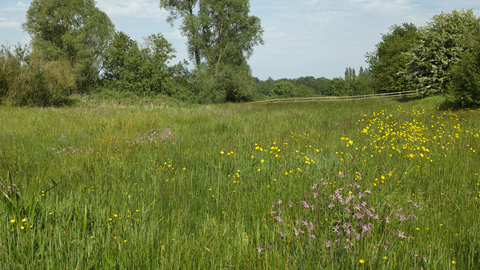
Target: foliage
26,79
283,89
230,83
264,87
73,30
390,59
219,32
440,45
305,91
464,86
351,84
129,68
221,36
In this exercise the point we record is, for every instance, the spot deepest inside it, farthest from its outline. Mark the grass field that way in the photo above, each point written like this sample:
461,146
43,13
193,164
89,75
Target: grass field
371,184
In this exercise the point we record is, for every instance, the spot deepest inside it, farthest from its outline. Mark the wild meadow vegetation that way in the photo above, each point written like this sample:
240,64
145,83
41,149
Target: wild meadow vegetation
371,184
115,157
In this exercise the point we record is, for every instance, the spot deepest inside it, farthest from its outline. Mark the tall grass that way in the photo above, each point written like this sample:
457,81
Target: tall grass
241,186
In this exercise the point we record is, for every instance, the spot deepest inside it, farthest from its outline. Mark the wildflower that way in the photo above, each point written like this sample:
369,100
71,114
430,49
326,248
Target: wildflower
259,249
362,261
400,234
12,221
385,258
328,244
279,219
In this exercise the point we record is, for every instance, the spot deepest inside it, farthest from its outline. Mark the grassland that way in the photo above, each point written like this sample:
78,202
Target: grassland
372,184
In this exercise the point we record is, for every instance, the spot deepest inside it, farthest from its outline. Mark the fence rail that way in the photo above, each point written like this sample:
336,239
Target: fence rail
341,98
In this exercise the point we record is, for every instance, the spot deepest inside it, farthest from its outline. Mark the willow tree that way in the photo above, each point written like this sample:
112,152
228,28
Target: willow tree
75,30
220,36
218,32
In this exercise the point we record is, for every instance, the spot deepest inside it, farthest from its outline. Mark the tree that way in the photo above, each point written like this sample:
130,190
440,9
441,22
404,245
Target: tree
219,32
129,68
305,91
464,86
441,44
283,89
73,30
390,58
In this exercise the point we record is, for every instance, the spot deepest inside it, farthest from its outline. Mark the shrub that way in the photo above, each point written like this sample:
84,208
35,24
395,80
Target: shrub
464,86
26,79
283,89
305,91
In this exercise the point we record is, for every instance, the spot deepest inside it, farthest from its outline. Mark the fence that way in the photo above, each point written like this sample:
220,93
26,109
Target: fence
341,98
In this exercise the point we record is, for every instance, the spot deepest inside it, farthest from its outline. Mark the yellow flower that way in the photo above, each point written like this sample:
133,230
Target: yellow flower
385,258
12,221
21,228
454,262
24,220
362,261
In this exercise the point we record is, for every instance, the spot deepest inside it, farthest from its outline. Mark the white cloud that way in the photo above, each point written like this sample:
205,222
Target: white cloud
10,24
174,35
137,10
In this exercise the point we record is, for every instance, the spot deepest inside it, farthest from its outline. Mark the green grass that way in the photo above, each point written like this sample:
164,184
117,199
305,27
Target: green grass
148,186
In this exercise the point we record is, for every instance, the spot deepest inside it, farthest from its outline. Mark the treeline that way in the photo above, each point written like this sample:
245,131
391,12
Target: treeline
349,85
442,57
75,49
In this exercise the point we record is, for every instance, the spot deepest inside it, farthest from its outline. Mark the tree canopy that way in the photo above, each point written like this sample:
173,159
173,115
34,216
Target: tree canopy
75,30
218,32
440,45
390,59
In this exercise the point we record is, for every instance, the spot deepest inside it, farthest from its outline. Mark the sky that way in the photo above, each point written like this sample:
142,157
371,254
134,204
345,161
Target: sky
318,38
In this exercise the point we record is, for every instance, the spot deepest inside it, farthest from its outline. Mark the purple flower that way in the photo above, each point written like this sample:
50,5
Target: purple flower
387,219
279,219
305,204
323,180
259,249
400,234
328,244
424,259
331,206
271,213
314,186
280,232
280,202
313,237
290,203
298,231
273,204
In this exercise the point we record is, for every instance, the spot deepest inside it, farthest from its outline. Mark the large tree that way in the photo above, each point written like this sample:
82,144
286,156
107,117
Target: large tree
390,59
441,44
75,30
127,67
218,31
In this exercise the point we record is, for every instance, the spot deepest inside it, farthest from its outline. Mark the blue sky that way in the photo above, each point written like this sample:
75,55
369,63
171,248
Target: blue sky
317,38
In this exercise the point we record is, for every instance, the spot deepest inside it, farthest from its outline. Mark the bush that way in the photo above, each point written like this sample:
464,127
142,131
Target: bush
228,83
464,86
283,89
27,80
305,91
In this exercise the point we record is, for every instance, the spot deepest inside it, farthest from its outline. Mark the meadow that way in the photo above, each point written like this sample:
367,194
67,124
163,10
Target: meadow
369,184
